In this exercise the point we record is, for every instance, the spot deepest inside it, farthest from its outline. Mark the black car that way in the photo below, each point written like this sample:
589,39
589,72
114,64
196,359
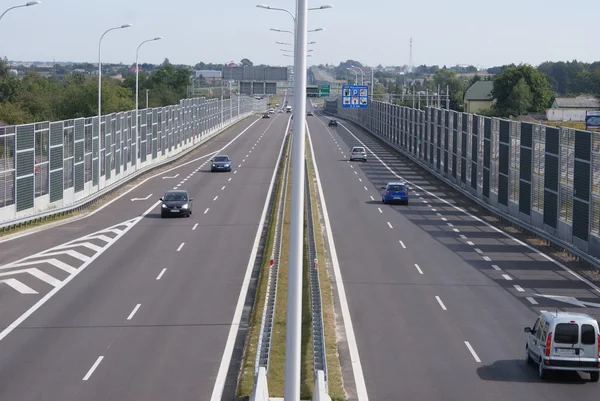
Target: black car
221,163
310,113
266,115
332,123
176,203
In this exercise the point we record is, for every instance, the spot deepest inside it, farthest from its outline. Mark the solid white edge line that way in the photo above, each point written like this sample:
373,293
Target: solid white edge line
531,248
472,351
162,272
219,386
49,295
441,303
133,312
132,188
359,379
93,368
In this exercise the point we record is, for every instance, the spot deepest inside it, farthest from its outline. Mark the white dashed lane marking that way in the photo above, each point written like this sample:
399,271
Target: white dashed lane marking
162,272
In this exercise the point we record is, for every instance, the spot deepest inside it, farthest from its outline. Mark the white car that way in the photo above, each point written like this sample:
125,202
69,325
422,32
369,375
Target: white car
271,111
358,153
564,341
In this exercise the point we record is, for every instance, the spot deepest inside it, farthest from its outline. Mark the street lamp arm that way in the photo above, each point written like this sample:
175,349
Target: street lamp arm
31,3
277,9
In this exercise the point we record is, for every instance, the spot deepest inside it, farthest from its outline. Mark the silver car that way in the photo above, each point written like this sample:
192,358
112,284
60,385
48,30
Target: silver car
564,341
358,153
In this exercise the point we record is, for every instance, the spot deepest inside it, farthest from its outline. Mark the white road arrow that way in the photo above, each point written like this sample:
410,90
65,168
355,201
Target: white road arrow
137,199
175,176
570,300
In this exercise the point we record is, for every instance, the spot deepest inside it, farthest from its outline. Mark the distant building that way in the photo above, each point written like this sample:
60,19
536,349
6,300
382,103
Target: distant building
479,97
571,108
208,75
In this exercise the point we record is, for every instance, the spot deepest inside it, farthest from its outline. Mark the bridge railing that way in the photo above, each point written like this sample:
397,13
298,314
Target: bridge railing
51,166
542,178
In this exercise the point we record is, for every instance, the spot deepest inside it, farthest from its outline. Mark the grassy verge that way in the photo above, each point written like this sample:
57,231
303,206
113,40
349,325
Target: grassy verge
335,383
246,381
277,357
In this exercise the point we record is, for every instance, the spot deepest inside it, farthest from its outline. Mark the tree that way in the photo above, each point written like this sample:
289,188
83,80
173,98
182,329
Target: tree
520,98
541,93
471,69
246,63
449,79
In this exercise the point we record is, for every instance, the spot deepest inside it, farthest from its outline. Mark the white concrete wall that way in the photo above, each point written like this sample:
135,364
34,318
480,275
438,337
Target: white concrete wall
565,115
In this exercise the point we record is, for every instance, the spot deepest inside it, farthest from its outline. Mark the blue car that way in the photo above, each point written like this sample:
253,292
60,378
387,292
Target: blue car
221,163
394,192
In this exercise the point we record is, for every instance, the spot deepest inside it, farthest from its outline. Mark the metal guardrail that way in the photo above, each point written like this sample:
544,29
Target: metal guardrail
268,316
570,248
316,303
92,199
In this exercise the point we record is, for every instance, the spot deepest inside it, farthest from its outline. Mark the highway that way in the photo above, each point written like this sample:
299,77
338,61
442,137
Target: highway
438,298
135,307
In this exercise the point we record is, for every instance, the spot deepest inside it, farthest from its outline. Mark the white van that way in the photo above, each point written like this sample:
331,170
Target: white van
564,341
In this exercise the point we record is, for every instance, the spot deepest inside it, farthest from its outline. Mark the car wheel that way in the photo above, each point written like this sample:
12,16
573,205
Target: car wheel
528,359
542,372
594,376
383,200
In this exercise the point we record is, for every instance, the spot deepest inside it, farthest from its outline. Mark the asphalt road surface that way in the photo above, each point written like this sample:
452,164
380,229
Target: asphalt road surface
135,307
438,299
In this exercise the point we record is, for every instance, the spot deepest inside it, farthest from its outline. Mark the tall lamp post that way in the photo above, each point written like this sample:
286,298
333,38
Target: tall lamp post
137,98
100,73
28,4
294,306
355,75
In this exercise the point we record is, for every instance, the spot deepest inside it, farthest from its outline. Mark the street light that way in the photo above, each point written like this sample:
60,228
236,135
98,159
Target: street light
286,31
29,4
266,7
355,75
100,73
362,74
137,95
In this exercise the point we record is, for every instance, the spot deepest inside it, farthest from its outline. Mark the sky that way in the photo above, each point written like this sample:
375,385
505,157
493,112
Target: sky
373,32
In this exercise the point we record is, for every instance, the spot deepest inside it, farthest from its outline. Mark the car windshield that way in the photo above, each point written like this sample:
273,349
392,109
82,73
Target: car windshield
221,159
358,150
175,196
396,188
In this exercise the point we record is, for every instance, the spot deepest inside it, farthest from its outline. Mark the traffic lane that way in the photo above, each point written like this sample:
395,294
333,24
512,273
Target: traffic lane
119,210
205,188
386,291
499,333
180,330
481,244
189,316
127,272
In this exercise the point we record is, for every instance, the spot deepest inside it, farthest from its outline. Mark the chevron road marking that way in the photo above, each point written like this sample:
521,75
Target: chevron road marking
31,265
19,286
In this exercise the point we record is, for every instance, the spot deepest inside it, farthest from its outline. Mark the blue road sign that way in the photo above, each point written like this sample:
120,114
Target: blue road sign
592,120
355,96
